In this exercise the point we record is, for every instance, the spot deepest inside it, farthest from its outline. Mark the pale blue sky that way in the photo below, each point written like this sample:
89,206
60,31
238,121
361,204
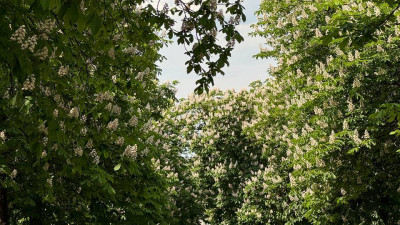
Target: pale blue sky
243,68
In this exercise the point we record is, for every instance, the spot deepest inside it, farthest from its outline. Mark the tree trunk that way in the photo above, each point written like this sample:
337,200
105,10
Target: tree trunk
3,207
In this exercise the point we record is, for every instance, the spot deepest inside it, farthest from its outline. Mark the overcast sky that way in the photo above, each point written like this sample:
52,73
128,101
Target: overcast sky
243,68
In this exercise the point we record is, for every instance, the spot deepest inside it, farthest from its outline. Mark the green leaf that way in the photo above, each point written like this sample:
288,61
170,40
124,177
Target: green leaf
106,154
13,100
326,39
353,150
94,22
344,43
71,16
81,23
117,167
45,4
55,5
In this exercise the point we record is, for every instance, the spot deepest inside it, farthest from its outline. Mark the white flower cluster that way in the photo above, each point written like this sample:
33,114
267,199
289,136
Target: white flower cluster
133,121
120,141
29,83
2,136
46,27
78,151
30,43
89,144
42,53
55,113
116,110
106,96
130,50
43,129
19,35
142,74
14,174
63,70
95,156
131,151
74,112
113,125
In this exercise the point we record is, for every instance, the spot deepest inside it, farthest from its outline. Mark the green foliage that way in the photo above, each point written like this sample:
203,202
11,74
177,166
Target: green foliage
79,100
324,130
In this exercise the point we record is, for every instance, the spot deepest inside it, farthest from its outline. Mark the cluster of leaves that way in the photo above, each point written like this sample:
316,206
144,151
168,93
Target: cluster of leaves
323,131
79,97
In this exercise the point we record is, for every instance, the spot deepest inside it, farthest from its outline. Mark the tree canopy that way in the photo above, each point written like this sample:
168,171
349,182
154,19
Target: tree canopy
79,100
88,135
318,142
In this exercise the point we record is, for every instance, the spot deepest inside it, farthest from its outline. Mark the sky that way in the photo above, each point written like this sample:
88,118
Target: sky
243,68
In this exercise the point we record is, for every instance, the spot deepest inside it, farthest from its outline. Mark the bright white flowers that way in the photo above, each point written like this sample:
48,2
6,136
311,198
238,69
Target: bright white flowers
55,113
106,96
120,141
116,110
46,27
356,137
2,136
131,151
78,151
74,112
29,83
63,71
332,137
89,144
318,33
14,174
366,134
96,158
343,191
30,43
379,48
19,35
113,125
133,121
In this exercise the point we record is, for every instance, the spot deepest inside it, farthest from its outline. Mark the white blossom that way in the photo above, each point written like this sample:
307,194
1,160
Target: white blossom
3,135
63,70
19,35
29,83
78,151
14,174
113,125
74,112
343,191
332,137
131,151
120,141
95,156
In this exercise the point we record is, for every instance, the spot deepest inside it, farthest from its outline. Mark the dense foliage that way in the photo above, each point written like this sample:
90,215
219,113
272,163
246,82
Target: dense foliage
79,97
89,136
318,142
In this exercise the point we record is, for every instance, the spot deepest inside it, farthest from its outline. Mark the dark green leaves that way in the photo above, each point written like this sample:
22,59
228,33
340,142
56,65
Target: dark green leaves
95,23
45,4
